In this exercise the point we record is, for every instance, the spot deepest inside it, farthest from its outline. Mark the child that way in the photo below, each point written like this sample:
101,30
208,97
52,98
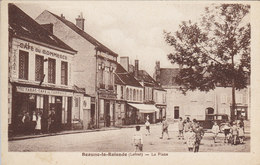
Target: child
181,128
215,131
138,140
190,137
165,128
241,134
147,126
226,129
198,136
234,133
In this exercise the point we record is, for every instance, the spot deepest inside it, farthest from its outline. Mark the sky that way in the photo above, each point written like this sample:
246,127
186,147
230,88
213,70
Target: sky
133,29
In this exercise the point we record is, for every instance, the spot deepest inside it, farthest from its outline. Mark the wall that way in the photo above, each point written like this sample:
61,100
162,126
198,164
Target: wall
194,104
84,62
31,70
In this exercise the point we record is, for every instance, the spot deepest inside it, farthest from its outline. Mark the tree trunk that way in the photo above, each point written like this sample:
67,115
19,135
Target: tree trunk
233,106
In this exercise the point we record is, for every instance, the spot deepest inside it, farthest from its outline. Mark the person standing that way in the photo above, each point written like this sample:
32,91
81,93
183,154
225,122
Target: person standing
26,120
181,128
187,127
215,131
234,132
198,136
241,134
226,129
137,139
52,127
38,126
190,139
165,128
33,123
147,127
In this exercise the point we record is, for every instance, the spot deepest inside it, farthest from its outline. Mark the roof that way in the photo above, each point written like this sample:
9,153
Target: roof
146,78
23,26
78,89
124,78
167,76
92,40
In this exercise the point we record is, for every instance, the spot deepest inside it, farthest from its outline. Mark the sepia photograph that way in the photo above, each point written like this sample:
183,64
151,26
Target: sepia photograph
178,86
128,78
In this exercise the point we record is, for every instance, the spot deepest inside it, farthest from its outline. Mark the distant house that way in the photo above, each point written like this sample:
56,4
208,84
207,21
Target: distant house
154,97
129,92
39,77
197,104
94,67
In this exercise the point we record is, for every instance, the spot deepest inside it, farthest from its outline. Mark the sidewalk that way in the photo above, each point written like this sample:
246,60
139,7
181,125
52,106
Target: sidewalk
22,137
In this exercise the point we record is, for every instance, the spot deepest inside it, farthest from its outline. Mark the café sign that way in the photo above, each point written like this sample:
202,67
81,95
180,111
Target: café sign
27,46
43,91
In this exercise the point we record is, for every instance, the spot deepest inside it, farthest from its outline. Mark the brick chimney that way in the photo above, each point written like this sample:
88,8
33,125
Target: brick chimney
136,68
80,21
124,61
157,71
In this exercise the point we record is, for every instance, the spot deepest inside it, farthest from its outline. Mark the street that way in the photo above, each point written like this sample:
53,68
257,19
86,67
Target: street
120,141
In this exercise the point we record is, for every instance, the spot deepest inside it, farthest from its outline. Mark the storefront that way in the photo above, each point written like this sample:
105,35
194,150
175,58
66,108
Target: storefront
106,107
139,113
30,98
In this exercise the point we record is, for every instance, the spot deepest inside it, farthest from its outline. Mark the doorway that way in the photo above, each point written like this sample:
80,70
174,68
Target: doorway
107,114
58,111
176,112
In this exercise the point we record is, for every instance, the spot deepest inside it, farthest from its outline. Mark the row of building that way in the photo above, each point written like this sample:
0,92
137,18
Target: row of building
54,65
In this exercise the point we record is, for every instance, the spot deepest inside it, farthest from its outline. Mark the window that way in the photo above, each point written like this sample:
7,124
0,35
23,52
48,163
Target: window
239,98
64,73
131,94
23,65
134,95
39,61
141,96
223,98
122,92
127,94
51,70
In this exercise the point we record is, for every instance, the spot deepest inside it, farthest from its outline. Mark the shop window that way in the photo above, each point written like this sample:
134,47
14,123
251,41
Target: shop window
51,70
39,62
64,73
23,65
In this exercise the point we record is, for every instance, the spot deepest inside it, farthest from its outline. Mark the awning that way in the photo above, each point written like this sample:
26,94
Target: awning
145,108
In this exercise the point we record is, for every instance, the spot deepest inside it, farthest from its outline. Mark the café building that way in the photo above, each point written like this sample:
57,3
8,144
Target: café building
39,78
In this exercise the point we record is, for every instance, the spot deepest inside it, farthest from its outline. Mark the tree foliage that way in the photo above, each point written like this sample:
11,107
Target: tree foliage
214,51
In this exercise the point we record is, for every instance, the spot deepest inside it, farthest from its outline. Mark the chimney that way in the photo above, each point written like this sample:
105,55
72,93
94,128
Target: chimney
157,71
80,21
62,16
48,27
124,61
136,68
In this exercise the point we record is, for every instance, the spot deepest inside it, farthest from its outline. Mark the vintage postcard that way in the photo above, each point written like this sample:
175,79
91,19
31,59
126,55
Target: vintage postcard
134,81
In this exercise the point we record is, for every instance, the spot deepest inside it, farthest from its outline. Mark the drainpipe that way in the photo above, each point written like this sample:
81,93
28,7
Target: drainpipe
96,93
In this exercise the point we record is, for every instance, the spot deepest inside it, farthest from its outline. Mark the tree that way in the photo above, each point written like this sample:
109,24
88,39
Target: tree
214,51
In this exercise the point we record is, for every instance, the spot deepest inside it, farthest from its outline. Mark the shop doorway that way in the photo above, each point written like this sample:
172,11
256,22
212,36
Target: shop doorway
107,114
92,111
58,111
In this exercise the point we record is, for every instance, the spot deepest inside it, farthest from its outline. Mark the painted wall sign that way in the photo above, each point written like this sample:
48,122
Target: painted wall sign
27,46
43,91
86,103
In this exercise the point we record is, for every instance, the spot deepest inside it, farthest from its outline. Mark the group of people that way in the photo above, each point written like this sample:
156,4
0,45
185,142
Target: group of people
191,132
234,132
32,124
